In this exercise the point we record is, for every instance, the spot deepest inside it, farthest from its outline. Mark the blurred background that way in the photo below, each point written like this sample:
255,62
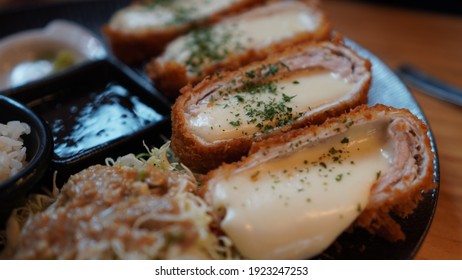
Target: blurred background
445,6
421,33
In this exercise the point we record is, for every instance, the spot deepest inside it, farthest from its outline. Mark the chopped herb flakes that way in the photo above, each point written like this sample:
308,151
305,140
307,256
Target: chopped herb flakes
265,105
235,123
345,140
239,98
180,13
207,45
287,98
272,70
333,151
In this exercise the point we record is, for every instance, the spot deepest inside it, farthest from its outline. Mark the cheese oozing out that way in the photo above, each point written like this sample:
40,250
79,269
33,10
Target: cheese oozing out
255,29
227,116
141,18
295,204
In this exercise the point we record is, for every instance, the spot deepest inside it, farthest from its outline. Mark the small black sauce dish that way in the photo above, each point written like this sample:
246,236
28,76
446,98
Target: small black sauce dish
39,145
99,110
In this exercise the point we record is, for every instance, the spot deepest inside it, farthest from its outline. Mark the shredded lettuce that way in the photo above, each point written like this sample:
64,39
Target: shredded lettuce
192,208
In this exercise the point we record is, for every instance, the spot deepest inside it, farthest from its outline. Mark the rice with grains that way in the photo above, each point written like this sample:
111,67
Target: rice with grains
12,150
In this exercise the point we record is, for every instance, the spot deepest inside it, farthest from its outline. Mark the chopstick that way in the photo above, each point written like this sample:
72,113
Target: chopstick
430,85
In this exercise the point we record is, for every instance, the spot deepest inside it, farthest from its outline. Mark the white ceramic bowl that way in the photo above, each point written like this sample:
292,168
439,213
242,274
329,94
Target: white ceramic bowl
22,55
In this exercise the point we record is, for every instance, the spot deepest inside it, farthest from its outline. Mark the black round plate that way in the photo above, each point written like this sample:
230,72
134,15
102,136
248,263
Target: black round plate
386,89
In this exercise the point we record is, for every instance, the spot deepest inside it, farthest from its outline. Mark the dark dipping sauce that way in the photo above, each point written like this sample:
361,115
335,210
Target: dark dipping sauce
83,120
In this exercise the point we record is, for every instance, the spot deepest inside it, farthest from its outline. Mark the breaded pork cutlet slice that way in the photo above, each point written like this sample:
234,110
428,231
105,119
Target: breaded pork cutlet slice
237,41
218,120
296,193
143,29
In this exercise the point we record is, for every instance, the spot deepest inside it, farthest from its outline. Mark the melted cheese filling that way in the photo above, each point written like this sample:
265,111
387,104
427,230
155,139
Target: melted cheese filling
139,18
244,113
256,29
259,32
295,206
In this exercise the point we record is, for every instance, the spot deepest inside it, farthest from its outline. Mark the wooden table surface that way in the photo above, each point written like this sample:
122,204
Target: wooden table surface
433,43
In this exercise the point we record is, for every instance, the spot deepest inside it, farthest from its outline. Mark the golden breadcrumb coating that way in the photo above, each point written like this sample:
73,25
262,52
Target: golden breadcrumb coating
136,47
170,76
201,155
396,192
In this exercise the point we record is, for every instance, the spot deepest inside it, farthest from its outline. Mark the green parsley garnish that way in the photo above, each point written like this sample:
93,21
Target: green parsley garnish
287,98
207,45
235,123
333,151
180,14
